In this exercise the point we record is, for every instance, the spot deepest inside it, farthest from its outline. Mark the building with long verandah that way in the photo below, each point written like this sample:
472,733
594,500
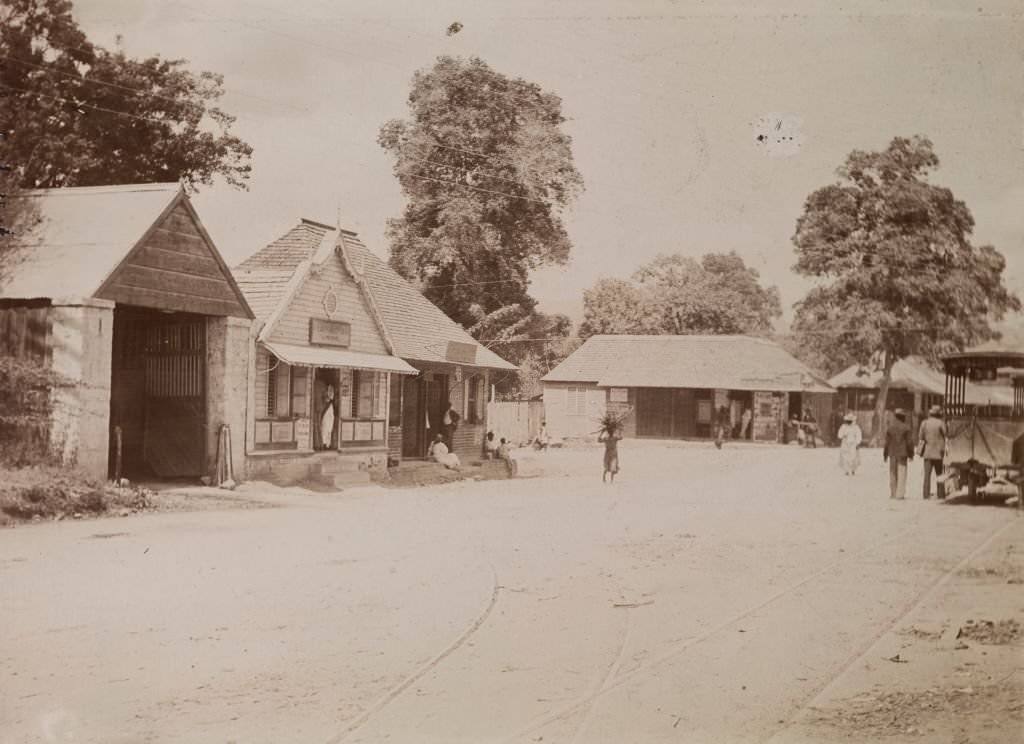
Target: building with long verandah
339,329
121,291
673,387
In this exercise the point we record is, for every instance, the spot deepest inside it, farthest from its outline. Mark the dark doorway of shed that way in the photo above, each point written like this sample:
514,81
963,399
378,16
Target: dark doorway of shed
666,413
424,401
158,394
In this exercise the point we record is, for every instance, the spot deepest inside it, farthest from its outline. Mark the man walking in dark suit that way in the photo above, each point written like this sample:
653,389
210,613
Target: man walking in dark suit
898,450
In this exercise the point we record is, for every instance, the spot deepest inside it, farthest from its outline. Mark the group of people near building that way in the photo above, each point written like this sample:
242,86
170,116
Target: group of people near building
899,448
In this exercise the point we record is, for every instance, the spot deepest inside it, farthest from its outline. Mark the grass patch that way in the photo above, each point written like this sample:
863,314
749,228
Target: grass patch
37,493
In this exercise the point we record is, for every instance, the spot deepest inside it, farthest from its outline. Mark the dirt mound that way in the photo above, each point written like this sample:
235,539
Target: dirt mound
872,716
991,632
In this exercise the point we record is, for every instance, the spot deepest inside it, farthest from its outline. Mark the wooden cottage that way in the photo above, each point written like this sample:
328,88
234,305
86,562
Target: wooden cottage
674,385
339,330
121,290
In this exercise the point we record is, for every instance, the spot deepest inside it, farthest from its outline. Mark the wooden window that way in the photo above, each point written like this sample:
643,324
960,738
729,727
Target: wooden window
363,418
300,391
272,386
576,401
364,389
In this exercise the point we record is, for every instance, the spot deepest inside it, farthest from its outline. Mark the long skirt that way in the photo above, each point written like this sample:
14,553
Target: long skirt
450,460
849,458
611,461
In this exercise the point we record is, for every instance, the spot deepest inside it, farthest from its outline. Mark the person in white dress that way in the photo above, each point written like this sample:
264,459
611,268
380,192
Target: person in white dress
850,436
327,419
439,452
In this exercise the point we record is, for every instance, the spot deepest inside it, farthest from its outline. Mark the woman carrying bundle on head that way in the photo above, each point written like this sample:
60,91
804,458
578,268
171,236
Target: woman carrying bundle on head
611,433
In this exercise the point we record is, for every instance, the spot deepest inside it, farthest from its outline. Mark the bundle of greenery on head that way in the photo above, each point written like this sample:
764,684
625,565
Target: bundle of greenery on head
612,421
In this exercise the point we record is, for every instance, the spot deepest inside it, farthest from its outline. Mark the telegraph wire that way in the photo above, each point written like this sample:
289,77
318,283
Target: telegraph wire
140,91
475,188
80,105
464,169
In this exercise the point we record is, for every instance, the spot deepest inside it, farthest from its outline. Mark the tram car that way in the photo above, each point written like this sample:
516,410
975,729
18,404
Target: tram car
984,411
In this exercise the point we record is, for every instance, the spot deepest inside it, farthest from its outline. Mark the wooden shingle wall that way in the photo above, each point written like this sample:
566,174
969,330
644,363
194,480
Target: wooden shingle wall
308,302
175,269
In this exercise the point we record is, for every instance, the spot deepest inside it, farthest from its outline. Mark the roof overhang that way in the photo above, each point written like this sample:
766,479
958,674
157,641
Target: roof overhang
318,356
507,366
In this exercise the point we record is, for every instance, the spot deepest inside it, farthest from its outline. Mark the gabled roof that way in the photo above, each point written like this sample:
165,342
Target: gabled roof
906,374
82,242
77,237
415,327
725,362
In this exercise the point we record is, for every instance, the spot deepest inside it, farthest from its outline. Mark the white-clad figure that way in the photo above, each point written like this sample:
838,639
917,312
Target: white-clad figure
327,419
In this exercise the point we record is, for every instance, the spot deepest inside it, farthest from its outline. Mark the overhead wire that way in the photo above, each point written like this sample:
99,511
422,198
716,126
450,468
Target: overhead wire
475,188
79,104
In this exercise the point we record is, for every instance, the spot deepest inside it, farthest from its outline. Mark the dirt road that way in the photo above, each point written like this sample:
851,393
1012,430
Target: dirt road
706,596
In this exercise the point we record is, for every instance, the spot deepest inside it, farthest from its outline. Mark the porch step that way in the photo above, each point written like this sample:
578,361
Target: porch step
350,478
335,465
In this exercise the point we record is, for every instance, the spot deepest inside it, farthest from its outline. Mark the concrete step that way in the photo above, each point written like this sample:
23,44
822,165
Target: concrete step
336,465
352,478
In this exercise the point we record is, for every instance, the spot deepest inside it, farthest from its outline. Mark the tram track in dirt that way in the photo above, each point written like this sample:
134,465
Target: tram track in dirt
395,692
613,683
913,606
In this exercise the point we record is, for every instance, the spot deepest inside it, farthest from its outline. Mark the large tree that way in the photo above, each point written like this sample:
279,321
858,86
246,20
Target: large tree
79,115
719,294
487,170
897,273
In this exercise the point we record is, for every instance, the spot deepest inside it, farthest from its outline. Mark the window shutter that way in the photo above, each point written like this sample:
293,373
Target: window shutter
380,400
283,392
300,391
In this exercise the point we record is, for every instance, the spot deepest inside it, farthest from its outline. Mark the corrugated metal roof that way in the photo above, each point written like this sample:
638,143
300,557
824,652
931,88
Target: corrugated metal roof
418,329
906,374
727,362
77,237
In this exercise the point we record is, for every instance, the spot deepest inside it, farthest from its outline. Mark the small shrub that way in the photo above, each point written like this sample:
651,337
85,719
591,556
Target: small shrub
50,492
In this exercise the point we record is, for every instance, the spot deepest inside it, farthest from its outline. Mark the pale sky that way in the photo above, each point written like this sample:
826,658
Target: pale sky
665,101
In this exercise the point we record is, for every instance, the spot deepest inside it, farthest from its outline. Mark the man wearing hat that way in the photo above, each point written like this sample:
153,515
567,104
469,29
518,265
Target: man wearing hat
932,446
898,450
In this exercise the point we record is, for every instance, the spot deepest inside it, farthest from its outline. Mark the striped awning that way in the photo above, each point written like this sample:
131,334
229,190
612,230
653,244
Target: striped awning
319,356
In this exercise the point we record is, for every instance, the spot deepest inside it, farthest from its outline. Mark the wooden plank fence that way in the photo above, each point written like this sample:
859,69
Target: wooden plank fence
518,421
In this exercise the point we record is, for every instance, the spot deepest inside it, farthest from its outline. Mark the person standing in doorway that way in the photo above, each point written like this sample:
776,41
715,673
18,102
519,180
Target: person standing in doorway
932,446
898,451
327,419
745,423
721,425
450,423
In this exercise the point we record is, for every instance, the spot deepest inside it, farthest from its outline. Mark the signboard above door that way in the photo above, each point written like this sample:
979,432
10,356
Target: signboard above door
461,353
329,332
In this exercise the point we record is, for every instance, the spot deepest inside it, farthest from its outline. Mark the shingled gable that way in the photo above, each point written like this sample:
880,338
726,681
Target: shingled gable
414,327
727,362
140,244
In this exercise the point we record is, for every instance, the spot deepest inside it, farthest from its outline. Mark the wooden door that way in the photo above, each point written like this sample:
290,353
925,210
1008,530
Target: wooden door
414,418
653,412
174,439
437,403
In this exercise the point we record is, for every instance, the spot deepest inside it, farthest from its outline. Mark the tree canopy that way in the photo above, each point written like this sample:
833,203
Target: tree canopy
79,115
487,169
897,272
719,294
